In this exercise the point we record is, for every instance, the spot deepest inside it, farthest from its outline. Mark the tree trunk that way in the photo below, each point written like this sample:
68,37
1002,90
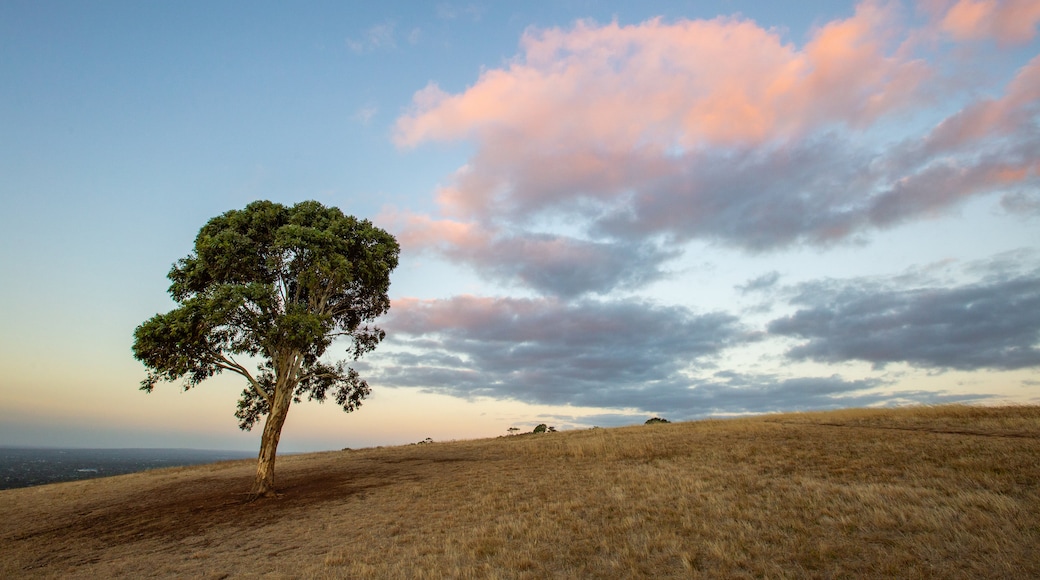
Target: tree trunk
263,486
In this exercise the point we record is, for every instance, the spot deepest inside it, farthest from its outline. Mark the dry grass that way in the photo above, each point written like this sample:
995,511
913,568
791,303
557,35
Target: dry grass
944,492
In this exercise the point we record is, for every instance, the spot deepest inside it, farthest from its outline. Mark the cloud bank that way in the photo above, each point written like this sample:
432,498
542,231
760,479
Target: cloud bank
993,324
551,351
719,130
601,152
619,354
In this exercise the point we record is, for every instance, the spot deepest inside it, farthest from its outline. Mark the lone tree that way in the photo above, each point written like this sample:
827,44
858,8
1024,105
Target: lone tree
276,285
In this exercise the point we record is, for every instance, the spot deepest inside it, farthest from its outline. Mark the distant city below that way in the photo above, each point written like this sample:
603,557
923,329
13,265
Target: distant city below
27,466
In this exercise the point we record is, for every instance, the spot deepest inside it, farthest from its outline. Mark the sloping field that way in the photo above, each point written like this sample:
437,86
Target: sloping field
941,492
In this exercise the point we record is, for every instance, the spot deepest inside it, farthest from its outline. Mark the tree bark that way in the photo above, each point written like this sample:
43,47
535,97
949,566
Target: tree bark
263,486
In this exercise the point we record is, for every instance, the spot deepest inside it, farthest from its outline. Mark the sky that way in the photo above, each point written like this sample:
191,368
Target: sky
607,211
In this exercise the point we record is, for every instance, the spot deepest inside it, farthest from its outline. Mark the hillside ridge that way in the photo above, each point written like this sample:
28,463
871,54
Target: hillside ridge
913,492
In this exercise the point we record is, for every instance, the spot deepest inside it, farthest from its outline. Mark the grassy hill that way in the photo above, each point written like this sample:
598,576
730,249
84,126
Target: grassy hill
936,492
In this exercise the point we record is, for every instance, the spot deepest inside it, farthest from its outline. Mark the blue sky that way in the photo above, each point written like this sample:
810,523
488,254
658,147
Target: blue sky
607,211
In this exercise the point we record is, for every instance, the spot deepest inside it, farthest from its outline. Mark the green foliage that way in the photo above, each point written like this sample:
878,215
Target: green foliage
278,284
656,420
540,428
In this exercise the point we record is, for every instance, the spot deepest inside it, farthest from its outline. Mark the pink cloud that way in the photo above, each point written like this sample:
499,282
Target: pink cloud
853,76
725,81
554,264
988,117
1006,21
418,232
939,186
589,95
990,145
646,136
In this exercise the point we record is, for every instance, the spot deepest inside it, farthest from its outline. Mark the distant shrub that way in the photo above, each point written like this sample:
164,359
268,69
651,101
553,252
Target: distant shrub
540,428
552,429
513,430
656,420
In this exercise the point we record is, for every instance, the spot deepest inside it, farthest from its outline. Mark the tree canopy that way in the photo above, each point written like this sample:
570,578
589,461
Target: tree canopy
273,286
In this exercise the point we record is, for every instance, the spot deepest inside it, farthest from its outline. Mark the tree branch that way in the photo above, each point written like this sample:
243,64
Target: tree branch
233,366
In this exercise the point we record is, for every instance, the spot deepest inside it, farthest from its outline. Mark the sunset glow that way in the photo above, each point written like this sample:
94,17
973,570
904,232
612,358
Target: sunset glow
606,213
